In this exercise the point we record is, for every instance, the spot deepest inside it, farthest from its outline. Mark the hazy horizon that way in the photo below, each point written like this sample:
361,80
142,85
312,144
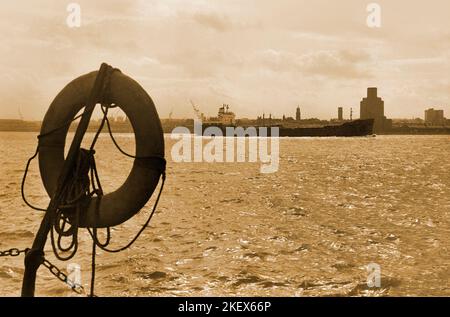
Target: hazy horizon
256,55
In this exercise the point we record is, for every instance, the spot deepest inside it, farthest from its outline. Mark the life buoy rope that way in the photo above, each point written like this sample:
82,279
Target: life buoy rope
83,203
118,206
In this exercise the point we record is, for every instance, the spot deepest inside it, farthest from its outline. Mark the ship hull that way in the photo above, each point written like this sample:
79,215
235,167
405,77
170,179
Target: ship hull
347,129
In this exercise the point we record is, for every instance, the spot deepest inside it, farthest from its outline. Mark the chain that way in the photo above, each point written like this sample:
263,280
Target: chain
60,275
13,252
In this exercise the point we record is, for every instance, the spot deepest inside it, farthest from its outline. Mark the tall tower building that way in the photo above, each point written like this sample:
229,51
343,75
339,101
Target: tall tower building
340,114
298,114
372,107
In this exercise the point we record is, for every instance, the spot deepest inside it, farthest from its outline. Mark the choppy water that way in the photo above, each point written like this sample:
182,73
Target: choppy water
336,205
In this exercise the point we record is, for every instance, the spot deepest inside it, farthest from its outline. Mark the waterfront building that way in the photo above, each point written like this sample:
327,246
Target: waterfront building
372,107
298,114
434,117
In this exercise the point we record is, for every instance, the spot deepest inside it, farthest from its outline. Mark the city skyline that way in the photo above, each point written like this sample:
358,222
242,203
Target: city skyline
255,56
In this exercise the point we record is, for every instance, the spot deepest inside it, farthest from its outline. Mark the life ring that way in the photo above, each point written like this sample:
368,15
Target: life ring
116,207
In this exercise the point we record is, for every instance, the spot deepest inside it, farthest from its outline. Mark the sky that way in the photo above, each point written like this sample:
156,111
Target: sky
258,56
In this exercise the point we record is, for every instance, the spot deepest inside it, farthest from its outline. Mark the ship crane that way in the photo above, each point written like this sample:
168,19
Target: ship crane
197,111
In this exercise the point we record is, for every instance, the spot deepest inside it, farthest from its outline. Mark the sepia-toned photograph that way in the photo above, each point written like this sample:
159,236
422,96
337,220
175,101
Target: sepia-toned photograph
225,149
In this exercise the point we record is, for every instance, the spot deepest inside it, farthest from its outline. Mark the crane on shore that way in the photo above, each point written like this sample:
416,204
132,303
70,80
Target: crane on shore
20,114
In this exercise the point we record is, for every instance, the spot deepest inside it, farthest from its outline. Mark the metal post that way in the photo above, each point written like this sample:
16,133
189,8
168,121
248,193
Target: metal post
34,257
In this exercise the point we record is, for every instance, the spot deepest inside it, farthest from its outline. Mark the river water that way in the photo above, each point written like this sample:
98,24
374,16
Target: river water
335,206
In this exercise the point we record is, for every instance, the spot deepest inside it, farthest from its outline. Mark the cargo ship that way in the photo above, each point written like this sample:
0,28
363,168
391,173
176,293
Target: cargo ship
347,129
226,119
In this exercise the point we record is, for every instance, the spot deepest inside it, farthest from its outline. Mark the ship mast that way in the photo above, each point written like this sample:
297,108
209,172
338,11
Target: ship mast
20,114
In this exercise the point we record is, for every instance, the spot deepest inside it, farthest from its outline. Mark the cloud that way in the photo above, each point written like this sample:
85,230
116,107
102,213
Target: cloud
253,53
341,64
213,21
332,64
201,62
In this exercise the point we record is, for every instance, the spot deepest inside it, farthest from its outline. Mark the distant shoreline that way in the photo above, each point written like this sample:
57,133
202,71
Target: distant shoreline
7,125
